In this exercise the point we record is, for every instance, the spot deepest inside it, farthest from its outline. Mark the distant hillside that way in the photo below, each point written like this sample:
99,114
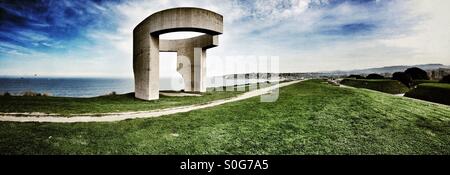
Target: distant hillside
391,69
381,70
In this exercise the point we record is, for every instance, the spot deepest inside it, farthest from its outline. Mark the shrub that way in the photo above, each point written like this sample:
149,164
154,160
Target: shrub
403,78
434,92
386,86
445,79
7,94
417,82
375,76
417,73
112,93
356,76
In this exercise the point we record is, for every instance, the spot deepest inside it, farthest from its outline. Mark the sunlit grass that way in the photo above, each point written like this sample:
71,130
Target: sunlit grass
308,118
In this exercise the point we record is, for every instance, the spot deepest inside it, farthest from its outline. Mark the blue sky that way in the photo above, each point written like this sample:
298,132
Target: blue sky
94,37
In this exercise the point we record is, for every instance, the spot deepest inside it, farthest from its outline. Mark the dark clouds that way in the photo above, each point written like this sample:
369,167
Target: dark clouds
48,24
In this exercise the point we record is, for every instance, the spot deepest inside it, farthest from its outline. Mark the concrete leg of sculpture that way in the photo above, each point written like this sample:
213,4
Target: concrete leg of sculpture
146,66
199,70
154,68
185,66
191,66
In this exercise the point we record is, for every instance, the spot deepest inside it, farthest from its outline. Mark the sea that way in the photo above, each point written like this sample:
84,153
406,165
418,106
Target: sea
91,87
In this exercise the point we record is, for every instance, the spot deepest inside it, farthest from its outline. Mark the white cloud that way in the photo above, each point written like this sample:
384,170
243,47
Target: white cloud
431,39
289,28
31,35
408,32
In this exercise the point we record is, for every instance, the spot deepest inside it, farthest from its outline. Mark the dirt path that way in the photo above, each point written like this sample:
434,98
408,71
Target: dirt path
112,117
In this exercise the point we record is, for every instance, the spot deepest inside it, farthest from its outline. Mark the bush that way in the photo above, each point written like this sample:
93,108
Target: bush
375,76
112,93
356,76
7,94
417,73
403,78
445,79
417,82
434,92
387,86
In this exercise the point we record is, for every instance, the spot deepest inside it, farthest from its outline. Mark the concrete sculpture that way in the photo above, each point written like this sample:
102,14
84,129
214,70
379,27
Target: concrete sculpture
191,52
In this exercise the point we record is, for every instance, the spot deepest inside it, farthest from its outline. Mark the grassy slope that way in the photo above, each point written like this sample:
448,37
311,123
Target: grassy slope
387,86
417,82
103,104
308,118
435,92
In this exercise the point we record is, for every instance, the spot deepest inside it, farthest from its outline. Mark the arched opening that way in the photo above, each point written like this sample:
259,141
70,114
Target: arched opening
177,51
169,79
179,35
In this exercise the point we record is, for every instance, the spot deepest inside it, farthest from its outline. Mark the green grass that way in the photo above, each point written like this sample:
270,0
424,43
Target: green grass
417,82
382,85
103,104
434,92
308,118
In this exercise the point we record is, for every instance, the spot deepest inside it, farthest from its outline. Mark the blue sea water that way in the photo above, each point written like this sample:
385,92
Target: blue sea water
91,87
67,87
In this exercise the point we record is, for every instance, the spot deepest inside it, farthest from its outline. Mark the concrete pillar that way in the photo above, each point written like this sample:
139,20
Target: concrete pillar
146,65
192,67
185,64
199,70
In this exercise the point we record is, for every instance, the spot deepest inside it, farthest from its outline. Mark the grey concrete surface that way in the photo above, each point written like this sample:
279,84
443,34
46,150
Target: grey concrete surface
191,52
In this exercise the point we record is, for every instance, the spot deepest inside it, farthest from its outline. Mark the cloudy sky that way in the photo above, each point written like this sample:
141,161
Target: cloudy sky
94,37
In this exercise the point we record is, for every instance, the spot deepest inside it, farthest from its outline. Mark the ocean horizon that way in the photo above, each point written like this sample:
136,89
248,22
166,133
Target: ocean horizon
91,87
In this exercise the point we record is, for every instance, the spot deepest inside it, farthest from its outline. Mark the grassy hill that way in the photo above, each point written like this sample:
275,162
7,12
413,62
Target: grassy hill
103,104
417,82
392,69
382,85
434,92
309,118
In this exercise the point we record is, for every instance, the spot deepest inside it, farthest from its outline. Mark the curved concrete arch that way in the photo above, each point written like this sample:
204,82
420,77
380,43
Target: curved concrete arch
183,19
191,52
